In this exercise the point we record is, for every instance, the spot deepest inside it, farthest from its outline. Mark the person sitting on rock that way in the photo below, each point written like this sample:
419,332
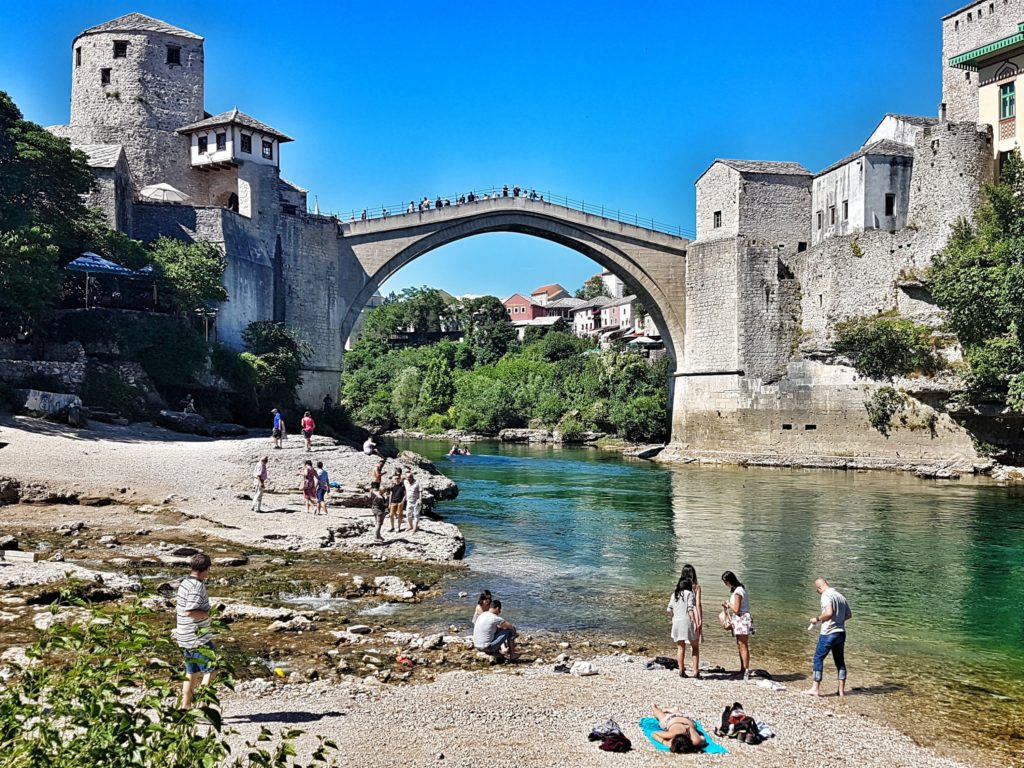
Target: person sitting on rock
491,632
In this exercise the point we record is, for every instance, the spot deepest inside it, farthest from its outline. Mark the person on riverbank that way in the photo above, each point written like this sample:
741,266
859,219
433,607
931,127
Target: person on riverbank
742,624
483,604
491,632
323,485
309,486
396,500
192,628
835,612
370,447
259,484
377,473
378,506
308,425
678,731
682,606
413,502
689,572
277,433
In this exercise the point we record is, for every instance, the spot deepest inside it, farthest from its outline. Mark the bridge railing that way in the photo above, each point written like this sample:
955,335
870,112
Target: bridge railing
480,195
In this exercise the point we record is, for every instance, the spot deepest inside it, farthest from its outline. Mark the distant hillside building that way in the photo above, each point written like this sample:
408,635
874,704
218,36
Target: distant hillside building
548,293
520,307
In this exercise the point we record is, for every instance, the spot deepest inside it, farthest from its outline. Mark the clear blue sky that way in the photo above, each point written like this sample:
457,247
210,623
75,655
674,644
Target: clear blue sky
621,105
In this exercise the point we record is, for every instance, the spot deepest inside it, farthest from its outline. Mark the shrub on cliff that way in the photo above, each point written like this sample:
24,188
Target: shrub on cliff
193,271
886,345
276,355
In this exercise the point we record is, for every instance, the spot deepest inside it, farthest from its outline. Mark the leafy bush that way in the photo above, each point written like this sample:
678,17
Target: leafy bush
885,403
276,355
436,423
641,419
886,345
482,404
192,270
104,693
572,429
107,392
993,364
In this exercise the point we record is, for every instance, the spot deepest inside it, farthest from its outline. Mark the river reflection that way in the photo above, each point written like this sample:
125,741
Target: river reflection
576,539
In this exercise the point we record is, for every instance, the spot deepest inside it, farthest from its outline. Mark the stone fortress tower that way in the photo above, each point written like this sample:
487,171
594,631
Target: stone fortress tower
134,82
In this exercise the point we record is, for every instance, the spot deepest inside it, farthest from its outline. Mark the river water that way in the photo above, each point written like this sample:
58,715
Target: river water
575,539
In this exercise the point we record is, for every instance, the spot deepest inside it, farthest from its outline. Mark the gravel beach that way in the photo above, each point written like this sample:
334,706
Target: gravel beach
531,716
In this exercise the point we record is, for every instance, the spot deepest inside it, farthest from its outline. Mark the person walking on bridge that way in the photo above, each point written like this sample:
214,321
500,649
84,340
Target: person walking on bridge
835,612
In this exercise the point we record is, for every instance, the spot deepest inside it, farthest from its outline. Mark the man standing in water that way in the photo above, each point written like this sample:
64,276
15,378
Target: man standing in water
192,630
835,612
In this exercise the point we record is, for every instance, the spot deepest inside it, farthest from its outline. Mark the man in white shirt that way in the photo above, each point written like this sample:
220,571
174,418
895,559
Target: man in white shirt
259,482
413,501
835,612
491,632
192,628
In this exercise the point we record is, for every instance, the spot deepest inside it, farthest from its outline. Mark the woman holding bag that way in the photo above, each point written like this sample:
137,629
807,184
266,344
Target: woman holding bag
737,608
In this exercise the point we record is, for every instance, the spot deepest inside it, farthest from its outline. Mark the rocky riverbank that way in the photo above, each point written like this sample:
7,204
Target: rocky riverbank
122,509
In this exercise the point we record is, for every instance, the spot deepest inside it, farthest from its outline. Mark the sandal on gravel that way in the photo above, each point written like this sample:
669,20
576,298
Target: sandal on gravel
682,673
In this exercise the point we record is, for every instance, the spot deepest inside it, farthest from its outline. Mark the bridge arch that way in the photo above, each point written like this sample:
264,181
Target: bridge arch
651,264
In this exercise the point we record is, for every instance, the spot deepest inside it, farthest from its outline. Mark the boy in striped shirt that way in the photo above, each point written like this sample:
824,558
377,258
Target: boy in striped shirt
192,630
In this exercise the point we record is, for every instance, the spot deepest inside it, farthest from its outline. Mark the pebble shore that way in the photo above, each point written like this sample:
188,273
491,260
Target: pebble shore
530,716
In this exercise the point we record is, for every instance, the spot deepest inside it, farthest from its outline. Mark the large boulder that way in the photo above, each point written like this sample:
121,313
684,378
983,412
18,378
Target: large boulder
54,406
524,436
178,421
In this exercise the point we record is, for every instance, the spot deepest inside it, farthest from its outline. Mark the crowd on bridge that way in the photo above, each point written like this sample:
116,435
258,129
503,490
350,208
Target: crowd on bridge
427,204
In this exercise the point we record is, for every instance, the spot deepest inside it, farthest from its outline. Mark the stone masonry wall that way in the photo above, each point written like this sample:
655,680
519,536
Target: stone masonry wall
973,26
711,341
769,313
718,190
775,208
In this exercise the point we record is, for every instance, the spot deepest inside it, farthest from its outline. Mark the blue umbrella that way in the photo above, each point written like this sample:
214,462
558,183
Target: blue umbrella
92,263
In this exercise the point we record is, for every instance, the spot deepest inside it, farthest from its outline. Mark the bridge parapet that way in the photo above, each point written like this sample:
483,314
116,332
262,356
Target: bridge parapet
456,212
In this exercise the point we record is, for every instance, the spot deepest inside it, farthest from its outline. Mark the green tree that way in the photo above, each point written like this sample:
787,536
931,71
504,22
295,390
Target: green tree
30,279
978,279
42,180
482,404
194,271
405,397
593,288
414,312
487,329
276,355
438,390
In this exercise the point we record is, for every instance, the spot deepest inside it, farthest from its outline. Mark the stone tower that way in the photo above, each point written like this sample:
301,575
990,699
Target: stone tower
136,80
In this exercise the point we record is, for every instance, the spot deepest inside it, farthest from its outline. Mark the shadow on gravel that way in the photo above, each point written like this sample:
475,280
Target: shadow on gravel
282,717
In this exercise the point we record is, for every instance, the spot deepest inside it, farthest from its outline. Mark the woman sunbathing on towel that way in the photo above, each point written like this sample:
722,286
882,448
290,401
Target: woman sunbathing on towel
678,732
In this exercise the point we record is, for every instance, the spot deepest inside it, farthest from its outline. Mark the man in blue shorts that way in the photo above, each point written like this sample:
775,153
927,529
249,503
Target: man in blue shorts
192,630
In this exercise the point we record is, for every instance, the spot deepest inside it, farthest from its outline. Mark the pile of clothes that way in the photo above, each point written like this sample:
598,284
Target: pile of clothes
611,737
737,724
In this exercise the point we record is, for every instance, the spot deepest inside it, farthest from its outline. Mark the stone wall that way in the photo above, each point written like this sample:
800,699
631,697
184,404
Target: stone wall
775,208
718,190
971,27
20,372
711,340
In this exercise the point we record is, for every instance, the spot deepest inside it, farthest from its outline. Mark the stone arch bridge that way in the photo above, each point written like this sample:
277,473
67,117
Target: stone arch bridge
652,264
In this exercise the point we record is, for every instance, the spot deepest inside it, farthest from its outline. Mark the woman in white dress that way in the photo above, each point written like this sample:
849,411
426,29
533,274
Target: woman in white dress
683,608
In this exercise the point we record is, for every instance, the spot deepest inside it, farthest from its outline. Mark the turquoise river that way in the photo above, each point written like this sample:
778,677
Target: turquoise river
579,540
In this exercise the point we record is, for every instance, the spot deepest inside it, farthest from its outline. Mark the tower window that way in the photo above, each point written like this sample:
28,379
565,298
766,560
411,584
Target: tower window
1007,101
173,54
890,205
846,210
204,144
268,150
120,49
718,219
222,142
105,76
831,214
820,219
78,56
247,144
